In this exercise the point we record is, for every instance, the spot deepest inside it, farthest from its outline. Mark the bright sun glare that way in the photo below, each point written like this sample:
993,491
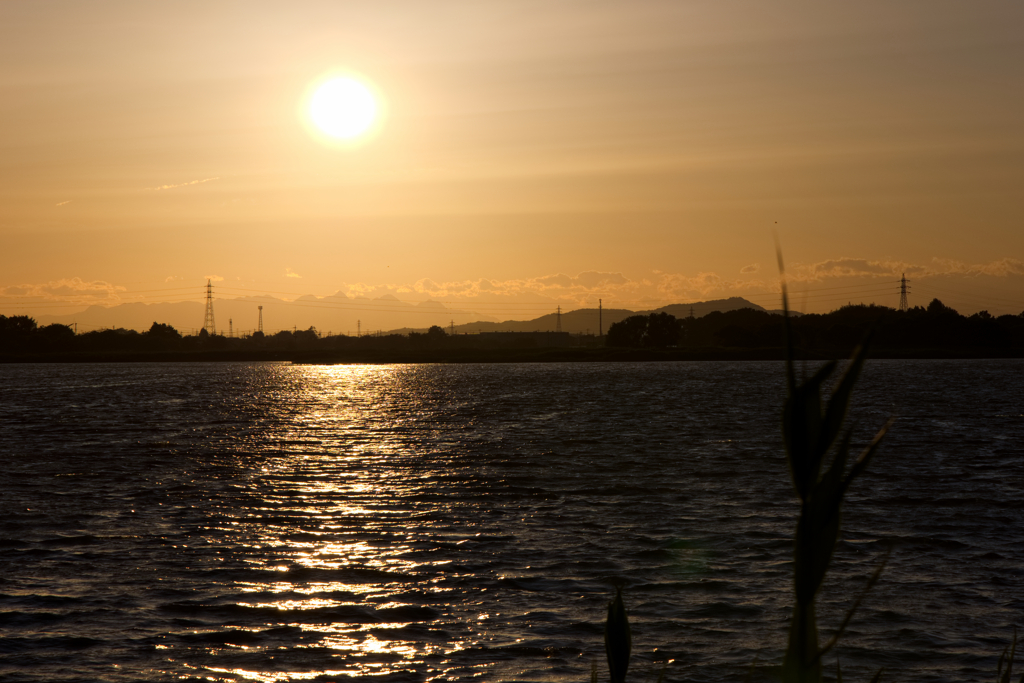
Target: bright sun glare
343,108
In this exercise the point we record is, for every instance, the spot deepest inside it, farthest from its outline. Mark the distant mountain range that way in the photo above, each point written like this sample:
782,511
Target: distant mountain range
341,314
585,320
338,313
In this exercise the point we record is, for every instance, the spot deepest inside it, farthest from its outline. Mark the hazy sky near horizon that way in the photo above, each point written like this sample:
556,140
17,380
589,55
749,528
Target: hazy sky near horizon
546,152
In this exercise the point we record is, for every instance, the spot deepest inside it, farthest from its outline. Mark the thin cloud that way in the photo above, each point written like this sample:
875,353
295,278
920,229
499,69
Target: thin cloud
214,278
64,202
1001,268
192,182
582,289
288,272
72,290
857,267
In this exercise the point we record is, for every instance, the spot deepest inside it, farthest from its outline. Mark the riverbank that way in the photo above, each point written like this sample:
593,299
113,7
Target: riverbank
471,355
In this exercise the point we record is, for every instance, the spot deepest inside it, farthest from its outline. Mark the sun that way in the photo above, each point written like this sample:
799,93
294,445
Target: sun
344,109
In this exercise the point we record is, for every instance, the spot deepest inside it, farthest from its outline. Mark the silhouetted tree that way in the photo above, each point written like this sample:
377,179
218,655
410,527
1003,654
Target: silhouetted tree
662,330
17,324
936,307
53,337
656,330
628,333
163,331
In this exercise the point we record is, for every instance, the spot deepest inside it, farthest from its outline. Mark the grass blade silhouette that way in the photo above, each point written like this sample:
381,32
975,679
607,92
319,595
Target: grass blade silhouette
618,640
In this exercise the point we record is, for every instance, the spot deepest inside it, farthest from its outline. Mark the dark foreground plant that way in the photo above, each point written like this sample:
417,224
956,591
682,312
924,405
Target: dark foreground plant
618,639
811,431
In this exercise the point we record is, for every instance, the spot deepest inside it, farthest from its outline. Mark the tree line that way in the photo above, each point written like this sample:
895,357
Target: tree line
936,326
20,335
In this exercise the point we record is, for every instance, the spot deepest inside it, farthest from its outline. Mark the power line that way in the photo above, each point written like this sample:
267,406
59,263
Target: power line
1017,302
833,295
817,295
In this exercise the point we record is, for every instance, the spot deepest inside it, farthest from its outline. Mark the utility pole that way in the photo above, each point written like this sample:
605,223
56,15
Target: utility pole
558,320
904,306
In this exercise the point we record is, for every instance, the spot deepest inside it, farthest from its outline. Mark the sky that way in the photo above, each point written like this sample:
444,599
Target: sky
531,154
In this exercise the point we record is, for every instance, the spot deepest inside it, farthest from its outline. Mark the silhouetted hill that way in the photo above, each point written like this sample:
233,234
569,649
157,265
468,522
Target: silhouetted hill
585,320
702,308
341,314
337,313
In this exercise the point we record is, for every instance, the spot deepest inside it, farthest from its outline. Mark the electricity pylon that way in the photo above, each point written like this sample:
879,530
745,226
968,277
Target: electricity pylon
904,306
208,324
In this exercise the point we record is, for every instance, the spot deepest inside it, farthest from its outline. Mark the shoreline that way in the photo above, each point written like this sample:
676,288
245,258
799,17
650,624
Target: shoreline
459,356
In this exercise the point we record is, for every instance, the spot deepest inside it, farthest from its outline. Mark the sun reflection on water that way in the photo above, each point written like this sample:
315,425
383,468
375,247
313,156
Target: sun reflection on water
321,525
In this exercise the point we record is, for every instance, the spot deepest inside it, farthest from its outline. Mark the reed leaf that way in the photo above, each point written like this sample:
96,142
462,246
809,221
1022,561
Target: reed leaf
875,576
1007,657
810,433
618,640
839,402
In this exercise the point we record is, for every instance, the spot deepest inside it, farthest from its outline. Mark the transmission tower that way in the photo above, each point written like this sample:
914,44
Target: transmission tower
600,322
452,327
208,324
558,320
359,328
904,306
259,327
231,327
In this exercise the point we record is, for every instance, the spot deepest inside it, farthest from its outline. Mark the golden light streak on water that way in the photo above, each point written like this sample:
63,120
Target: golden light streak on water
433,523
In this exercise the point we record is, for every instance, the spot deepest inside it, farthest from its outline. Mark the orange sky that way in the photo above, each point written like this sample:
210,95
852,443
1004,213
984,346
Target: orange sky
533,152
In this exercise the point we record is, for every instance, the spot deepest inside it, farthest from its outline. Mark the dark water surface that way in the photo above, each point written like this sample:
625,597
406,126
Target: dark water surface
264,522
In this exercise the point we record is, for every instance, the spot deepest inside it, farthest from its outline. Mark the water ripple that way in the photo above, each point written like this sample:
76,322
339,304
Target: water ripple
266,522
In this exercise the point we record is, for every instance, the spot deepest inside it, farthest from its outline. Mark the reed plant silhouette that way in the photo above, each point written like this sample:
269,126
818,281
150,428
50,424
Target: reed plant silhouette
618,639
812,431
817,452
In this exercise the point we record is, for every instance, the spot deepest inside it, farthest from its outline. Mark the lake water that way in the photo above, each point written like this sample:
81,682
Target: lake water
268,522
